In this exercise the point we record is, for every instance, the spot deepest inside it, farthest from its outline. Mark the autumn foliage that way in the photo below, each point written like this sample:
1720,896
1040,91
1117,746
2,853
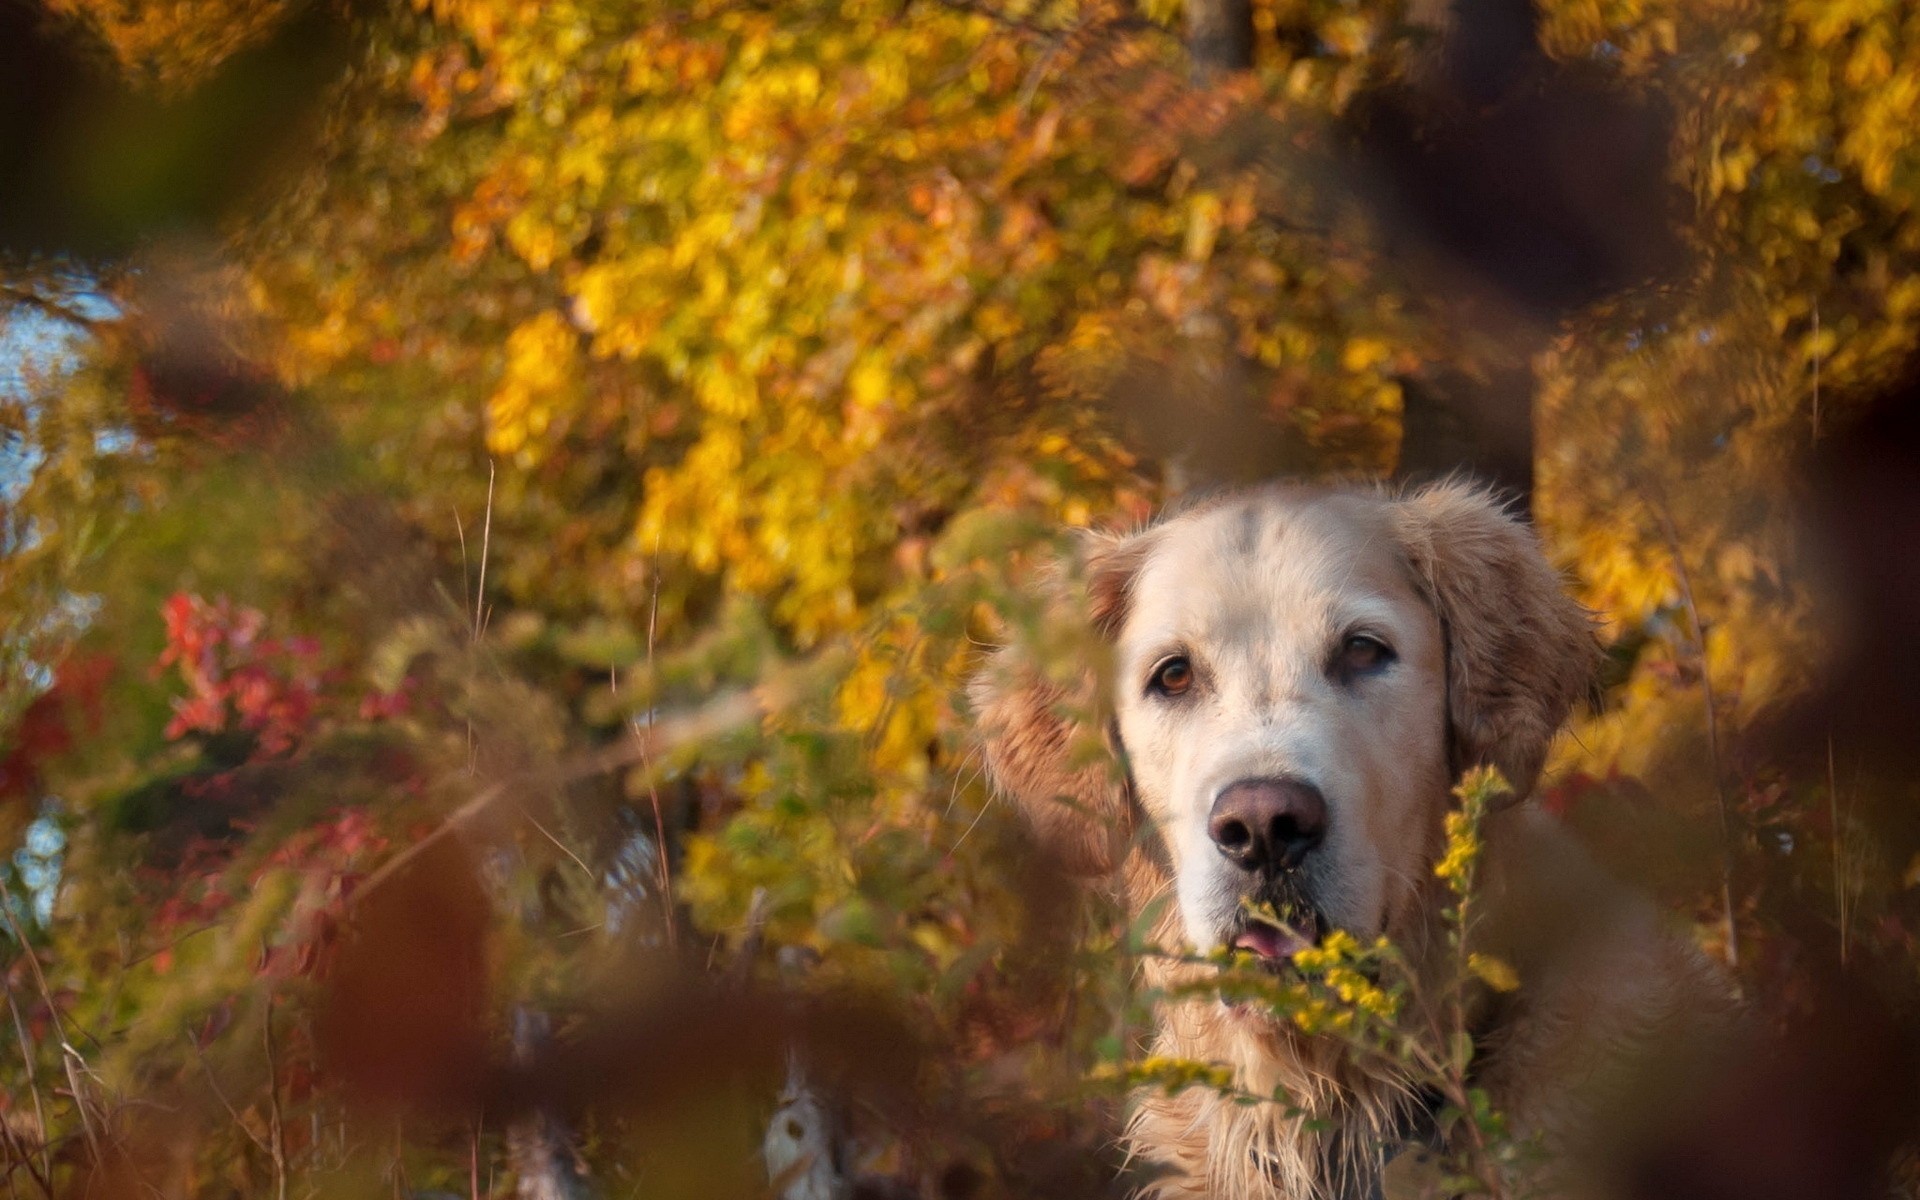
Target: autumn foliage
486,591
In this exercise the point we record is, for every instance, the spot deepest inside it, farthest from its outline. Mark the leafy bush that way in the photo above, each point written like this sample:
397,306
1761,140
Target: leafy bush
484,619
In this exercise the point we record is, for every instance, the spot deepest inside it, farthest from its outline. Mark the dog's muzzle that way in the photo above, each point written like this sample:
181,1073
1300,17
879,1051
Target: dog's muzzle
1267,827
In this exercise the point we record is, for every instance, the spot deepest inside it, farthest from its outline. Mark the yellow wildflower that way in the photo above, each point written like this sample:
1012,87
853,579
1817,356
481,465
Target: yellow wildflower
1495,972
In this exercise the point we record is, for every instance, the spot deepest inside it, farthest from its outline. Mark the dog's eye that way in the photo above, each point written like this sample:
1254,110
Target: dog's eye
1172,677
1362,654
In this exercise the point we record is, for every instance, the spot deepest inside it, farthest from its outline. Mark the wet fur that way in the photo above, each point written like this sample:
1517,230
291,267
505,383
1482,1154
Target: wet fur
1603,983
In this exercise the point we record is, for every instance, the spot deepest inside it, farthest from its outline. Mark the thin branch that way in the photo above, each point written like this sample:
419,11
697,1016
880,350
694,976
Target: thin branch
466,574
732,711
14,294
1036,74
33,1081
276,1128
1713,729
562,846
751,938
18,1156
399,1168
175,944
662,867
69,1055
486,542
221,1095
74,1064
466,602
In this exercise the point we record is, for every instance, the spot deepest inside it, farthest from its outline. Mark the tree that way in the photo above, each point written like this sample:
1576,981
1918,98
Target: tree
601,443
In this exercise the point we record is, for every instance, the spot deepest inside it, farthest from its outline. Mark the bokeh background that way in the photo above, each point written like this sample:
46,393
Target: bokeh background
499,500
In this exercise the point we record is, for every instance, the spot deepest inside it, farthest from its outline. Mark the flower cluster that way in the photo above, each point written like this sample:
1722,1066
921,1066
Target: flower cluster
1463,850
1162,1071
1348,970
238,678
1477,792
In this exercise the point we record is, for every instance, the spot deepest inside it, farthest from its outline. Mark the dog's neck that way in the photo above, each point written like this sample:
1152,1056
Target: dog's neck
1345,1115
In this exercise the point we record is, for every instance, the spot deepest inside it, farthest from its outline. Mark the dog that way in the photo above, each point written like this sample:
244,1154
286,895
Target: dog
1297,679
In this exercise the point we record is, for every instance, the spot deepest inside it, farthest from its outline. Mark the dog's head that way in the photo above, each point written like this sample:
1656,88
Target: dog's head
1297,678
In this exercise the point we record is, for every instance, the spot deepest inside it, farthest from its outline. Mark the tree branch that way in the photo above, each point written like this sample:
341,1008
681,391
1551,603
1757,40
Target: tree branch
14,294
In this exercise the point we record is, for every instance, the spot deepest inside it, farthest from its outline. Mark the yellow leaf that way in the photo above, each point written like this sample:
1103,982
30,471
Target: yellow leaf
1364,353
869,383
1494,972
1203,226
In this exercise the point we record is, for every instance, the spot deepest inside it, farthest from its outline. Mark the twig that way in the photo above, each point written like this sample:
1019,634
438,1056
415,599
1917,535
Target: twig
486,544
661,866
1713,730
221,1095
1036,74
466,601
276,1129
1454,1077
479,594
466,579
731,711
69,1055
33,1081
889,700
52,308
18,1156
175,944
751,937
563,847
400,1187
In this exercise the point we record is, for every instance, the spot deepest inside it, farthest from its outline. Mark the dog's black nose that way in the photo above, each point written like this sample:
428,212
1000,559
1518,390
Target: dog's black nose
1268,824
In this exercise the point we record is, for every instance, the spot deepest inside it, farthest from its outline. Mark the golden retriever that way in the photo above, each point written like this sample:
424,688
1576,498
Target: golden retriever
1298,678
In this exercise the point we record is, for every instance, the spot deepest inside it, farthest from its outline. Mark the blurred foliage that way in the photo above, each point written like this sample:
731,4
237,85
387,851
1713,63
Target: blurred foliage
599,453
172,47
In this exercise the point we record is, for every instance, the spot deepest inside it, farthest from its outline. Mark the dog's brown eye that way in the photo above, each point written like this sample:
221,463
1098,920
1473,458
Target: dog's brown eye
1172,677
1362,654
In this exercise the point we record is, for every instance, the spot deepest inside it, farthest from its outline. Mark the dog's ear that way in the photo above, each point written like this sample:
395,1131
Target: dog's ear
1041,709
1520,651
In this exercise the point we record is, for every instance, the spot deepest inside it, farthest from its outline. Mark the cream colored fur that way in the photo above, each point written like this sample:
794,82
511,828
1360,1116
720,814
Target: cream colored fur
1488,657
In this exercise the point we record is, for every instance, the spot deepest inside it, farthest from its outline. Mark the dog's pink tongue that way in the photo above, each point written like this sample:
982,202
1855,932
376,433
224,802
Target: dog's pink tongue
1270,941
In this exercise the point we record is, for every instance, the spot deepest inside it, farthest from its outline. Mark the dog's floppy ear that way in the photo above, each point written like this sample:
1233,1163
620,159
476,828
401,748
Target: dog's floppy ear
1040,720
1520,651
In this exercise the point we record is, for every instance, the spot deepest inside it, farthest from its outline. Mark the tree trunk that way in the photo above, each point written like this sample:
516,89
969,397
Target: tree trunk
1219,36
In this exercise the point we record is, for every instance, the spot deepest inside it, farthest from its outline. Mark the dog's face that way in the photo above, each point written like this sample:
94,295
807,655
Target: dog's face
1297,676
1280,690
